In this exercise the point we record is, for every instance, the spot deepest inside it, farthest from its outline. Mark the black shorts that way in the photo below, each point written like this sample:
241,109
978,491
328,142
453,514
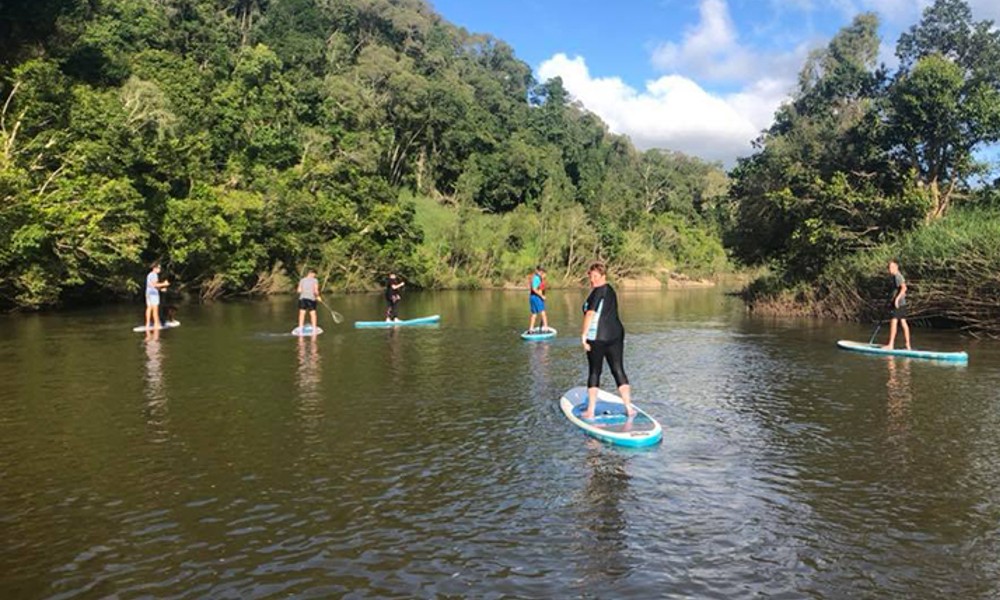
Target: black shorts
307,304
899,313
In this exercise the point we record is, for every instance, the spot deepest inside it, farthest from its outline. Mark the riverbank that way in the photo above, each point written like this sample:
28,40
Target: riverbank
951,267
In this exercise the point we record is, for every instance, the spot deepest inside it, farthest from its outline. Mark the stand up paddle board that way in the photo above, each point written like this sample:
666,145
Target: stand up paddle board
389,324
307,330
610,424
538,335
961,357
165,325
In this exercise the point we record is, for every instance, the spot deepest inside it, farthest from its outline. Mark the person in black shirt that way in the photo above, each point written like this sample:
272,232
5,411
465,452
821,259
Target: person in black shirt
392,297
603,338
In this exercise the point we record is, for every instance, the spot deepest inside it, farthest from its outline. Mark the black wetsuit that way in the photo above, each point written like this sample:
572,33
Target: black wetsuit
392,298
606,336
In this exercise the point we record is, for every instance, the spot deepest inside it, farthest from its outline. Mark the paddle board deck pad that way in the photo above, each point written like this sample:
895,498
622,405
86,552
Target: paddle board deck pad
407,323
306,331
538,335
959,357
610,423
166,325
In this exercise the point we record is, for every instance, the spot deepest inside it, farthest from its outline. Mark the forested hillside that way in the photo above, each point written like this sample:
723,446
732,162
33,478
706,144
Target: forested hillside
240,140
866,163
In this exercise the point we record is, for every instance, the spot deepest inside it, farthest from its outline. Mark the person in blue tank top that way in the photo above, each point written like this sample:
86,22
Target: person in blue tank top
536,300
308,297
603,338
153,287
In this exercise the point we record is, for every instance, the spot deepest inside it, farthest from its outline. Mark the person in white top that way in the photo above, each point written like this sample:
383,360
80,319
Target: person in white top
153,287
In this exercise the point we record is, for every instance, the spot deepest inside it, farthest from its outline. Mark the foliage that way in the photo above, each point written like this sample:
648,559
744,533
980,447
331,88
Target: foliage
860,157
233,140
950,268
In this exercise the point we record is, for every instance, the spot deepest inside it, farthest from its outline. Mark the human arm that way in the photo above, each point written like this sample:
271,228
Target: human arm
587,318
900,295
536,289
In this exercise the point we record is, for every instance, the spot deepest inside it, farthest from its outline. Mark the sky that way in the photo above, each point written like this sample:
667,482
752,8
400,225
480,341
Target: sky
700,76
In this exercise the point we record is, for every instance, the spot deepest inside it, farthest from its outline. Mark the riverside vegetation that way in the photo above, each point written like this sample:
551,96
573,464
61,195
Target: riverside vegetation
865,164
240,140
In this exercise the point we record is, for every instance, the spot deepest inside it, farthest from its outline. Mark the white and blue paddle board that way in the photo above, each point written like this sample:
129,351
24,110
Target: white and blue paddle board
164,325
539,335
958,357
431,320
610,423
307,330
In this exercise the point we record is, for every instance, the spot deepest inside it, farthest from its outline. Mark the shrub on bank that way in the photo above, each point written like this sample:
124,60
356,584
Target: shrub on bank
952,267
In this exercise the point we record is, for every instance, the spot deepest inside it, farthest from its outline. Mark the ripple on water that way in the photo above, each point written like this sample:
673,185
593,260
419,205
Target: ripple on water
436,462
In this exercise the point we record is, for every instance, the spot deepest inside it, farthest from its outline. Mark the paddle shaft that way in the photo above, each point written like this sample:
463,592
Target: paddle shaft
890,302
337,317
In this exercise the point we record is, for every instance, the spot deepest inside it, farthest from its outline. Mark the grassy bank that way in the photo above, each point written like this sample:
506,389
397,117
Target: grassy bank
464,247
952,267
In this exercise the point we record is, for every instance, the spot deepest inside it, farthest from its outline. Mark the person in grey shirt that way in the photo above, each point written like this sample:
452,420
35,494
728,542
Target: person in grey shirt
308,297
897,306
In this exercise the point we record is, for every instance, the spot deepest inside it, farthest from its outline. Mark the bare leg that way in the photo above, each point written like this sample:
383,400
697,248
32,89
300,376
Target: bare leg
149,315
892,334
302,319
626,393
545,321
906,333
531,325
312,317
156,316
591,404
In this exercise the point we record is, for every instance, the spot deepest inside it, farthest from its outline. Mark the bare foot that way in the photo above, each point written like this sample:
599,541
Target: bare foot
587,416
631,412
887,347
908,348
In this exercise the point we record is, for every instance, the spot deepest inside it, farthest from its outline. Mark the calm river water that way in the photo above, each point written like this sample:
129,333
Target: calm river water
225,460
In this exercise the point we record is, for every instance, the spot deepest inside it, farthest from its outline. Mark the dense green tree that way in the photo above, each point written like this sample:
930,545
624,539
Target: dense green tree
234,139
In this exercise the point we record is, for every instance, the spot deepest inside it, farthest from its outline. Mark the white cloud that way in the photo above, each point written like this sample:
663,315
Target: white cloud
673,111
711,50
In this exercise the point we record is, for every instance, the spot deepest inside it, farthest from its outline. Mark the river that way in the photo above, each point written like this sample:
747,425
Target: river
225,460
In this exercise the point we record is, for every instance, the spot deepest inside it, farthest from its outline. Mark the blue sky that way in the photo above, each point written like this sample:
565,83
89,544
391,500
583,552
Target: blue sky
700,76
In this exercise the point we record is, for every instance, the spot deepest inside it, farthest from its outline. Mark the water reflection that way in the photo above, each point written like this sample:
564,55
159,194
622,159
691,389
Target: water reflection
308,373
395,349
603,518
308,378
156,398
899,398
540,368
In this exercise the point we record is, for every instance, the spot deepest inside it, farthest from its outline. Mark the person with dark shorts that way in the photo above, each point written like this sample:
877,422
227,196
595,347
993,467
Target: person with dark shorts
392,297
603,338
308,297
897,306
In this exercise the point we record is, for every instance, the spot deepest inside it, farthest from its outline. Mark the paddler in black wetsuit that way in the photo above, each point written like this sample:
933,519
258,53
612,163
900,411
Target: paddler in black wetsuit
603,338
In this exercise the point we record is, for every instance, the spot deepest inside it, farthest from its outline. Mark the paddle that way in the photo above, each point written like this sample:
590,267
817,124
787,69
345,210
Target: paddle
336,316
878,326
888,303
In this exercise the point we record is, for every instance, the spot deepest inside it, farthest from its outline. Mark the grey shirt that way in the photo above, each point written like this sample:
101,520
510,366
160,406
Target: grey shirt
307,288
898,280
